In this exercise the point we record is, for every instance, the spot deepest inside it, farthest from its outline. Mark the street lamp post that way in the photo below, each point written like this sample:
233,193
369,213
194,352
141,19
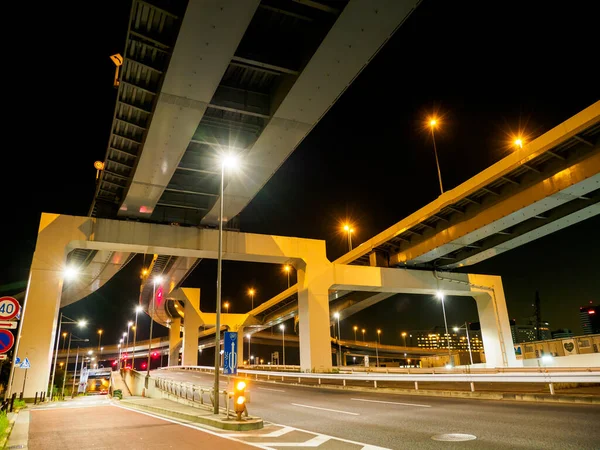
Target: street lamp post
80,323
155,280
404,337
125,343
226,305
252,292
441,297
355,328
138,309
99,338
337,316
349,230
228,161
433,123
282,327
77,339
377,343
248,336
287,268
468,340
363,333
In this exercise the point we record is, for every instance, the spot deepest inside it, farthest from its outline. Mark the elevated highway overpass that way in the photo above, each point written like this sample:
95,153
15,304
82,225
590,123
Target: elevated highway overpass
251,86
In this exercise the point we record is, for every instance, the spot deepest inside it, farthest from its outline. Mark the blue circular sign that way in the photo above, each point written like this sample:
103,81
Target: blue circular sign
7,340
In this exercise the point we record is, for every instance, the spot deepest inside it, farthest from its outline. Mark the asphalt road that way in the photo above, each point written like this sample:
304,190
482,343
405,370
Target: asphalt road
411,422
92,422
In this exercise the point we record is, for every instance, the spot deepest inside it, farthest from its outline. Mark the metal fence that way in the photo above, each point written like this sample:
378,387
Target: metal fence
542,375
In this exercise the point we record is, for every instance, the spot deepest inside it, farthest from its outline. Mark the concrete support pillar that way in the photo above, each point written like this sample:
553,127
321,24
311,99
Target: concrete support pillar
191,324
241,343
378,259
313,310
493,316
174,342
42,302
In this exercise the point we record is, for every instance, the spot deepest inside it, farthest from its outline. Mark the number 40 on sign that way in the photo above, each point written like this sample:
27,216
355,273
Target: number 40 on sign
9,308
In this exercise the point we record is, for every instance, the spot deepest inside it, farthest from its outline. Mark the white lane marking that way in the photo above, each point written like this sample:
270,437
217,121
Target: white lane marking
389,403
202,430
326,409
269,389
365,446
276,433
314,442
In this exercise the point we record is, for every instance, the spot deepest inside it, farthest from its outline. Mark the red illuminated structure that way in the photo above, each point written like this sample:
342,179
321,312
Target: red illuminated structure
589,317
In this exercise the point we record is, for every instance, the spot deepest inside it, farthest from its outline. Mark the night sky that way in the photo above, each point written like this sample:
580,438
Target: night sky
486,71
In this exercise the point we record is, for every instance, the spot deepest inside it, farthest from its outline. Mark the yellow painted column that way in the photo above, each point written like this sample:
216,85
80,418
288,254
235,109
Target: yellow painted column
174,342
314,281
42,302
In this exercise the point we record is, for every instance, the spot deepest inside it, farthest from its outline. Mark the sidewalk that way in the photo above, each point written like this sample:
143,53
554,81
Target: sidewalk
176,410
20,432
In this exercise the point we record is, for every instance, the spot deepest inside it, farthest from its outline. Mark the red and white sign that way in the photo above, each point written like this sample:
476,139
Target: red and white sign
9,308
159,295
8,324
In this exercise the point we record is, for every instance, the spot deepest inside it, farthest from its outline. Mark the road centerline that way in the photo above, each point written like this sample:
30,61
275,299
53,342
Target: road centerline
326,409
390,403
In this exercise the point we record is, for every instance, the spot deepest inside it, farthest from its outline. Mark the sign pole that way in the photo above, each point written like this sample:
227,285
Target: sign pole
24,380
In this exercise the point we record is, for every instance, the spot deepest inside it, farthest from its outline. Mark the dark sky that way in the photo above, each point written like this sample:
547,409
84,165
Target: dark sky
488,69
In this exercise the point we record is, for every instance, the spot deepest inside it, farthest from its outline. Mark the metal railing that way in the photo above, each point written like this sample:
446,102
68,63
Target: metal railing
193,393
541,375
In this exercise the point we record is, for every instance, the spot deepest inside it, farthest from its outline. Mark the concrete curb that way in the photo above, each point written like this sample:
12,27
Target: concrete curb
506,396
223,424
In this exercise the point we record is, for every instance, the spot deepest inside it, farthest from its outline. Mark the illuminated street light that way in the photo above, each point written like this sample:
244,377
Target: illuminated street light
433,122
363,332
226,305
403,334
355,328
251,292
349,230
71,273
229,161
440,296
518,142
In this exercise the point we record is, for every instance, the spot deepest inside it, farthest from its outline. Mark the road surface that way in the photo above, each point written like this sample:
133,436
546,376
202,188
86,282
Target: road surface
414,422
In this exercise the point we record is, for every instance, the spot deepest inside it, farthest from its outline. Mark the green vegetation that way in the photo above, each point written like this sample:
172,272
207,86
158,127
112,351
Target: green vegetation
3,426
19,404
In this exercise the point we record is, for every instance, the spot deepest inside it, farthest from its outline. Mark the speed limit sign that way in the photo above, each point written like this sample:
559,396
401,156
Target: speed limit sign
9,308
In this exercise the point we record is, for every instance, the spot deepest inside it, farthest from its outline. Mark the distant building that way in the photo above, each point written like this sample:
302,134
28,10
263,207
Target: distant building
437,339
562,333
528,332
589,317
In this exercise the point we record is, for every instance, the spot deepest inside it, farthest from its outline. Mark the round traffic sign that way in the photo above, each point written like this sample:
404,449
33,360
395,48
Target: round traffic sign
7,340
9,308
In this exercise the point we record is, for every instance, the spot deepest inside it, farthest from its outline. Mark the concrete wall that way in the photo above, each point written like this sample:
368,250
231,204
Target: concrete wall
589,360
